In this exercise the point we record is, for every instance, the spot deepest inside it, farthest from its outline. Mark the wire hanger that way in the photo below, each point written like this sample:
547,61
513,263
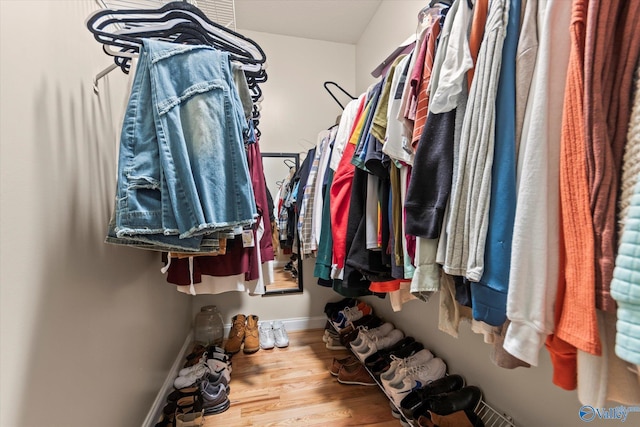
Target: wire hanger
326,86
290,163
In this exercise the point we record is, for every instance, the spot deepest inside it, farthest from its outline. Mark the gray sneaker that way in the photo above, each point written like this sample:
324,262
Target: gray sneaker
214,398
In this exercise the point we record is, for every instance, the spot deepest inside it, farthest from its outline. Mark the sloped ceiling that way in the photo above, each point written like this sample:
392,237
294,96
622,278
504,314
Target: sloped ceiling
341,21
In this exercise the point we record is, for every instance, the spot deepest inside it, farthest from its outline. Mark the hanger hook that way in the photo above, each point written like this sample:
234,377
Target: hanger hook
326,86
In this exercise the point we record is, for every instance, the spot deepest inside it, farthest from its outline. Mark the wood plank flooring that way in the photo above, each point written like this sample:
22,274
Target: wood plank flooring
293,387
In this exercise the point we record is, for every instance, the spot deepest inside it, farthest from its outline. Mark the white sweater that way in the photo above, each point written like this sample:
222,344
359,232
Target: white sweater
534,257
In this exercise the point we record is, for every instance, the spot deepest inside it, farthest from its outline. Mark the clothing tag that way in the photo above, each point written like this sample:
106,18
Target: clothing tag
247,239
237,230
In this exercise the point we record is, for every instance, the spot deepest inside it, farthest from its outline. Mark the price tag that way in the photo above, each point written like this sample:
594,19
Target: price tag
247,239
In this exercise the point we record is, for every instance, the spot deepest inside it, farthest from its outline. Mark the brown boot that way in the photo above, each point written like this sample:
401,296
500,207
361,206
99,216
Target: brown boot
236,334
252,337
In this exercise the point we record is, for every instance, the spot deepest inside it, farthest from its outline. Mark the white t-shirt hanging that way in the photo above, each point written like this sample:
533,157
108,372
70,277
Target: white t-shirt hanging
457,62
344,131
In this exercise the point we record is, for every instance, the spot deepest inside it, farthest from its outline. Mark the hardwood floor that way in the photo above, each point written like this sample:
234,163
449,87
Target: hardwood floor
293,387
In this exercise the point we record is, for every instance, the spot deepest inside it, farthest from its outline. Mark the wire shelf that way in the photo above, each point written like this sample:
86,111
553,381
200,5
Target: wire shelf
489,416
492,418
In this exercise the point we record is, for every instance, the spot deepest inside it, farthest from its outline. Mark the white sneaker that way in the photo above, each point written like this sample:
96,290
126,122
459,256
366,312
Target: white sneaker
186,380
330,335
398,366
280,333
365,332
334,344
347,316
416,377
375,344
186,371
219,361
267,338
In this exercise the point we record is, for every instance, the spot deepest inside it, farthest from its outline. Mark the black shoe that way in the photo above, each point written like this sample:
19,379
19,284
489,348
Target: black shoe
384,363
380,355
288,266
467,398
413,400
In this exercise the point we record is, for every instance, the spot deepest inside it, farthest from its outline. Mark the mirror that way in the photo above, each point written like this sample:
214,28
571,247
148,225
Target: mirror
287,268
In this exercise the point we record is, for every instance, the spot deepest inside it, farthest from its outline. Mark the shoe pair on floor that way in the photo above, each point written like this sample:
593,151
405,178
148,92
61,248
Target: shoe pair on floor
380,338
457,419
186,412
348,315
214,361
187,407
414,377
331,309
273,334
332,340
201,388
350,371
441,398
243,334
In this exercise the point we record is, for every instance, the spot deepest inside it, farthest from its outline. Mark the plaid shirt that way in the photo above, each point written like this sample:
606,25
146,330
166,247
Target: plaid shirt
305,222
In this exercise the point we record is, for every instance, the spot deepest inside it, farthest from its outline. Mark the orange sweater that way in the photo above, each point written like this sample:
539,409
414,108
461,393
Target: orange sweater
480,11
575,309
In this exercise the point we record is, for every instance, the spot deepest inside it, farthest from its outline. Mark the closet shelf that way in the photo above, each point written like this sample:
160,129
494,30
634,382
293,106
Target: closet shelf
489,416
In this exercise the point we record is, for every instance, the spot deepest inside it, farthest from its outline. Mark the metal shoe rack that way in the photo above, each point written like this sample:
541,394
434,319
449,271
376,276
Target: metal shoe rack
489,416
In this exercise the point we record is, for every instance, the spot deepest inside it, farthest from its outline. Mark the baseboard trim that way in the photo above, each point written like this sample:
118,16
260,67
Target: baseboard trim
292,324
153,416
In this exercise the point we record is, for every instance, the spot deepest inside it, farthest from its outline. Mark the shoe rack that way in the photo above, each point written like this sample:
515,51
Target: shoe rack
489,416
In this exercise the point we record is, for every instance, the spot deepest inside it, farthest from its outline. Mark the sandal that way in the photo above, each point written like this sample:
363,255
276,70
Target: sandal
183,392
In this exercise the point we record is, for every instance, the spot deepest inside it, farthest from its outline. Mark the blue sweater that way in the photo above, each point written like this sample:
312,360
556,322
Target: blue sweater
625,286
489,296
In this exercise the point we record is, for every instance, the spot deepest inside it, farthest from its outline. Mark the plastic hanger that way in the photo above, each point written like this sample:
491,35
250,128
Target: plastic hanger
101,22
121,33
326,86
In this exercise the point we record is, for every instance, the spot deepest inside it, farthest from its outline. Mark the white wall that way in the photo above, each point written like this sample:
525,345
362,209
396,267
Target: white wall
88,330
295,108
528,395
394,21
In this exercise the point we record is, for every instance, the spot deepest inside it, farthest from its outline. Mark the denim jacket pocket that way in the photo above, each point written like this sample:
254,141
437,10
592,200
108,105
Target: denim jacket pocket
142,200
167,104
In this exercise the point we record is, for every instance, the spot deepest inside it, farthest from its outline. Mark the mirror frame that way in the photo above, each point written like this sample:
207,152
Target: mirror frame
296,159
